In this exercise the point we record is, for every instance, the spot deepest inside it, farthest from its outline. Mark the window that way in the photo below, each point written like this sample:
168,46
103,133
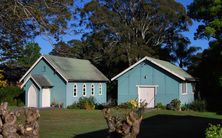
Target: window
44,69
75,90
184,88
92,89
100,89
84,90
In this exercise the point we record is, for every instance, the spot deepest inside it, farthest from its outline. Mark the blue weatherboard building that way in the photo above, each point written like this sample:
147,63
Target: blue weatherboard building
154,81
62,80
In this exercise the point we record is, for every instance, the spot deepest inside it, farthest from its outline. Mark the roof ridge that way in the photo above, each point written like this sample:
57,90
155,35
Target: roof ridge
46,55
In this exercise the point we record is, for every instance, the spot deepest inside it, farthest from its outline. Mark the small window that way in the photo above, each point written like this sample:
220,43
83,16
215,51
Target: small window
184,88
92,89
44,69
84,90
75,90
100,89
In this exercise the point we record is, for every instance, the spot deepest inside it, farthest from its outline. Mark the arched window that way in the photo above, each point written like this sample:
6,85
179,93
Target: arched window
75,90
92,89
100,89
84,89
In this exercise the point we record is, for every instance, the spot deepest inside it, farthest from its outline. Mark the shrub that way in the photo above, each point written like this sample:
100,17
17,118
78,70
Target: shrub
198,105
87,103
185,107
160,106
13,95
174,105
214,131
131,104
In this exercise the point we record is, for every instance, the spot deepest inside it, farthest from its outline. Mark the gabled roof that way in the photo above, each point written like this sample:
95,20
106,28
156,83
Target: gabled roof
71,69
167,66
40,80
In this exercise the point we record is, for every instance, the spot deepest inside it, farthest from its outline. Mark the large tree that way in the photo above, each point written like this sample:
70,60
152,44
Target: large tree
22,20
209,64
130,30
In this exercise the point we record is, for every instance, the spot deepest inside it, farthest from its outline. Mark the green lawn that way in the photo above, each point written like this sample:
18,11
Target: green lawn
156,124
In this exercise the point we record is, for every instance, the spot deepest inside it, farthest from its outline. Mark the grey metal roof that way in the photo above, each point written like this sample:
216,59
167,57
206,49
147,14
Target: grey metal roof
76,69
41,80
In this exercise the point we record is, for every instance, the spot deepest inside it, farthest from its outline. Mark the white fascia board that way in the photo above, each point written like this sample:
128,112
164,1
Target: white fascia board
30,77
42,57
149,59
37,61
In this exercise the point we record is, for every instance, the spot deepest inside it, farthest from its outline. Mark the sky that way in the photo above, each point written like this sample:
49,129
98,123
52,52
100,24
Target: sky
46,44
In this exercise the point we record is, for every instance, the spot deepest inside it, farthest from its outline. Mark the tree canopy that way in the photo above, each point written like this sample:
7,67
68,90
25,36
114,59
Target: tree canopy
133,29
22,20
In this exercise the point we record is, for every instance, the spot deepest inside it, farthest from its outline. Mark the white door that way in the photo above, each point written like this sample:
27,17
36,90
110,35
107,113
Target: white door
146,94
32,96
46,97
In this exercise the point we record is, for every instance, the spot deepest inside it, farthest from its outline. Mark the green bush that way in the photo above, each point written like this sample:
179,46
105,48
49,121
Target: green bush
185,107
198,105
131,104
214,131
87,103
160,106
174,105
13,95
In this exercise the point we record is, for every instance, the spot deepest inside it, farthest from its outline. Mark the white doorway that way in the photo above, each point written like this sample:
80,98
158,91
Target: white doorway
146,94
32,96
45,97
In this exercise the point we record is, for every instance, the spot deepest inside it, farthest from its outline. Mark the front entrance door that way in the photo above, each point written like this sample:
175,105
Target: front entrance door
45,97
146,94
32,96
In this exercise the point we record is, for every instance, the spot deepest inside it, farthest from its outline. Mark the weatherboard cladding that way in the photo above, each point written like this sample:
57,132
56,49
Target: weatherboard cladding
167,66
76,69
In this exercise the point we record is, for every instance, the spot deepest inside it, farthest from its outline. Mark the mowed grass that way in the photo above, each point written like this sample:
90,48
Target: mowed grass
156,124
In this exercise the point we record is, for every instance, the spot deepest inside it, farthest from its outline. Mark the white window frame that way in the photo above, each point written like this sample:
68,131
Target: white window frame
83,90
92,89
100,89
75,86
186,91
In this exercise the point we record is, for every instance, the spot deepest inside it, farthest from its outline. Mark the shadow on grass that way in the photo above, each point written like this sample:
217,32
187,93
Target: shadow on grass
166,126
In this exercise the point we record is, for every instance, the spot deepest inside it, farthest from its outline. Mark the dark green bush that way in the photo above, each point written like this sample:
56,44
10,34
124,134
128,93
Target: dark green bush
174,105
185,107
13,95
214,131
160,106
84,103
198,105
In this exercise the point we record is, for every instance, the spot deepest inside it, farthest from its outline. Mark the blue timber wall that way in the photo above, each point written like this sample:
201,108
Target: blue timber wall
147,73
58,91
99,98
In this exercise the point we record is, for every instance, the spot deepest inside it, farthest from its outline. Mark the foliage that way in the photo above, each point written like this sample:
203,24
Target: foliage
13,95
174,105
214,131
209,12
160,106
21,21
133,28
30,53
57,105
183,53
198,105
131,104
3,82
87,103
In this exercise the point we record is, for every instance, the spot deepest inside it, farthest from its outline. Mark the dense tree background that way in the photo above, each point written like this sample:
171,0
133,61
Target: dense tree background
207,66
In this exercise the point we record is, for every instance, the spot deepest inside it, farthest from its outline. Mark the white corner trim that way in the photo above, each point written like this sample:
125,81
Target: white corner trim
30,77
37,61
42,57
149,59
